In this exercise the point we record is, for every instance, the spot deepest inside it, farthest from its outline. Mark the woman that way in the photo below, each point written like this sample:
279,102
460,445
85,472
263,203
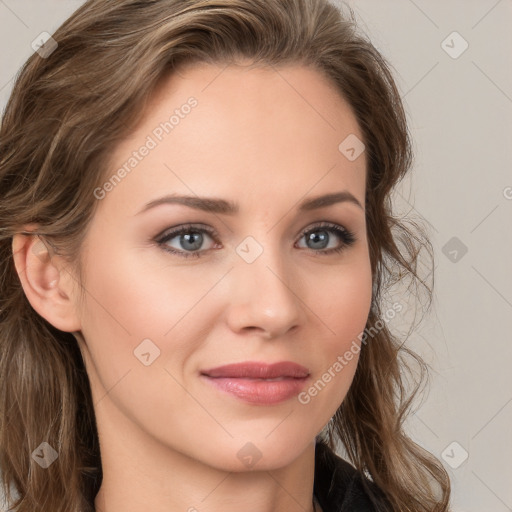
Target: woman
196,232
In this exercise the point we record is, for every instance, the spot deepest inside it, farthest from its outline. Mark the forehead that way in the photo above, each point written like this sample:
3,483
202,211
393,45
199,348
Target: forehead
246,84
249,125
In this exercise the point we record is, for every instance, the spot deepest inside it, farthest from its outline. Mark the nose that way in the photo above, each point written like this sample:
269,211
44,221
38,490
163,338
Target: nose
264,296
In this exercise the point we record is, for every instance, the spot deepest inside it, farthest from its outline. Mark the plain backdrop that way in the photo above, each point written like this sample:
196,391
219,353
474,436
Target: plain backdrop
452,62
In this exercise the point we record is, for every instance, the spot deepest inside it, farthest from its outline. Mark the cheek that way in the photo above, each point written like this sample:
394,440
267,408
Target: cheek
141,326
344,311
346,306
141,294
130,301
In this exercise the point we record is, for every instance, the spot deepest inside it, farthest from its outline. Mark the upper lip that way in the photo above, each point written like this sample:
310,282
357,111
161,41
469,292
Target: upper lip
258,370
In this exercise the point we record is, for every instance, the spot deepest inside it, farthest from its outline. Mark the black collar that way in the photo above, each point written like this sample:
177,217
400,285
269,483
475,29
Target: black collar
339,487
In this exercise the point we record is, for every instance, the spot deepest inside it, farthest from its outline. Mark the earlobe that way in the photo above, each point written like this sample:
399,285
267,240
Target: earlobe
47,285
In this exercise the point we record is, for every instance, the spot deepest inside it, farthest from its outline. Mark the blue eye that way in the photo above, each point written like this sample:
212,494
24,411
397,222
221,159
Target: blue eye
188,239
320,237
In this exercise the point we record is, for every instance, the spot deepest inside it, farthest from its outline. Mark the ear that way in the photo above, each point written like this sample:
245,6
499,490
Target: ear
48,286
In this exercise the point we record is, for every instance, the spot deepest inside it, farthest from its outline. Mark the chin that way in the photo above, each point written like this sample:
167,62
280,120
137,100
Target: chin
255,453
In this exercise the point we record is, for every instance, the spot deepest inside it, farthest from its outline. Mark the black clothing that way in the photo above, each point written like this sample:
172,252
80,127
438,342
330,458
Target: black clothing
338,486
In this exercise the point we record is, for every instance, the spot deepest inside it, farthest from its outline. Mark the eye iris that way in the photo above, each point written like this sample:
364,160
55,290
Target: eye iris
194,238
319,237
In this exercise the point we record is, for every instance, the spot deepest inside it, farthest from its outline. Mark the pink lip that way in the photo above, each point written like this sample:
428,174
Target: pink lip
247,380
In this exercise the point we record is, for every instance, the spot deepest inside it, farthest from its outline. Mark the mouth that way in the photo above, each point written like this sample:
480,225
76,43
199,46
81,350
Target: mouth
258,383
258,370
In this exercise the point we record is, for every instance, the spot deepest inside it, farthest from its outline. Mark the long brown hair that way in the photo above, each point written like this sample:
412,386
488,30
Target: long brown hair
67,111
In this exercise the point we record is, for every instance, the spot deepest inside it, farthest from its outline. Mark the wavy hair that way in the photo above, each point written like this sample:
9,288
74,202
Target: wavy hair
81,99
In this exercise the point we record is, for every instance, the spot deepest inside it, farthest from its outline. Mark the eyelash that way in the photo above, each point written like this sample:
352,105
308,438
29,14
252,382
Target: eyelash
347,237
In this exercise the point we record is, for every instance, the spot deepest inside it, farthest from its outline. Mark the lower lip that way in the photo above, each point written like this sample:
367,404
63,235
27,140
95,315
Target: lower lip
259,391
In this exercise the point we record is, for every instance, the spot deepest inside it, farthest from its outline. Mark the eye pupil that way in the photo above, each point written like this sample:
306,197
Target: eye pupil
319,237
190,238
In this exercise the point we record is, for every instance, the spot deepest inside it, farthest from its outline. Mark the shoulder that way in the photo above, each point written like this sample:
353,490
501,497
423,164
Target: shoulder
339,487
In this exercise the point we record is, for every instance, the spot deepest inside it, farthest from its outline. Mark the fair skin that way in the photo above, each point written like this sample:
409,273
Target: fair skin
267,140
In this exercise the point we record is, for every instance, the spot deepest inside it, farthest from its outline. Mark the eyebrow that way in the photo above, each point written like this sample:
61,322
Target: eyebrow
221,206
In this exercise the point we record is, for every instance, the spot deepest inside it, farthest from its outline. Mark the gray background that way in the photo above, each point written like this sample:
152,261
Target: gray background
460,115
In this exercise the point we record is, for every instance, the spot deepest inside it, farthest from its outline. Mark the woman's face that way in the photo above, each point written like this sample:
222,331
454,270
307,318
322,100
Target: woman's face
259,281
